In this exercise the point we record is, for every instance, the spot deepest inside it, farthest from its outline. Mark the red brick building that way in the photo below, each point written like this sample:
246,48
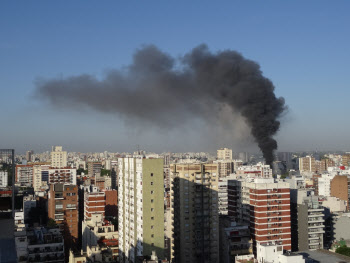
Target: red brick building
63,209
94,203
265,207
111,203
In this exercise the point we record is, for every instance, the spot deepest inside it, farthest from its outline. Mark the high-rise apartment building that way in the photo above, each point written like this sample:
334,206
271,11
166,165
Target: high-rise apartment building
307,164
29,156
64,175
223,195
322,166
224,154
63,209
24,174
307,224
58,157
253,171
265,206
40,176
94,170
225,167
94,203
140,208
196,217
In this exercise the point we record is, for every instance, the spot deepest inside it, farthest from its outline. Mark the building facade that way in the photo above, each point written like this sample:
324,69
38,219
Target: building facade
63,175
224,154
63,209
140,208
265,206
195,208
58,157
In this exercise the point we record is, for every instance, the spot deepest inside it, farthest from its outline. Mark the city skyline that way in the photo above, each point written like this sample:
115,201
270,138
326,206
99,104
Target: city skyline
299,46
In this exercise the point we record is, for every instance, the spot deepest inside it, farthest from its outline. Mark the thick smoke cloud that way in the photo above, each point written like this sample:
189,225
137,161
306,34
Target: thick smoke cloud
164,91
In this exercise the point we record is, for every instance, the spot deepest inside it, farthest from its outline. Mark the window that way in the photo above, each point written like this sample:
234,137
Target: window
152,192
151,200
152,227
152,244
152,235
151,174
152,209
151,183
152,218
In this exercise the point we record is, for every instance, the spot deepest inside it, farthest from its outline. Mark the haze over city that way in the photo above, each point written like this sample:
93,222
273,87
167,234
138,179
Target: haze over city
300,46
174,132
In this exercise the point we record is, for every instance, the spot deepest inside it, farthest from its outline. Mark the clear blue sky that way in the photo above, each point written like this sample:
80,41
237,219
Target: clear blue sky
302,46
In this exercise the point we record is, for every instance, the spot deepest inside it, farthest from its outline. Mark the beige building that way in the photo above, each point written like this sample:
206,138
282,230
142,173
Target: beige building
307,164
346,160
58,157
194,194
40,176
224,154
225,167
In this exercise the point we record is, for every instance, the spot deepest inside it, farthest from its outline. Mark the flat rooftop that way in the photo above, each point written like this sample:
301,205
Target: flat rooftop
323,256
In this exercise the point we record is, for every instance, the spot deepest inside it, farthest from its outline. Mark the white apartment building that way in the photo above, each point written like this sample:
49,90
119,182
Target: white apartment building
40,176
324,184
62,175
254,171
58,157
223,194
3,179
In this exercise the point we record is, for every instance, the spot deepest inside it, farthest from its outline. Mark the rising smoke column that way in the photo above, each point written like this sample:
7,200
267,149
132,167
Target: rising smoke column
161,90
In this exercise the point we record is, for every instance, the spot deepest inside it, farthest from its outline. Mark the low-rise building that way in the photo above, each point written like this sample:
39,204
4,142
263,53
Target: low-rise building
40,244
99,232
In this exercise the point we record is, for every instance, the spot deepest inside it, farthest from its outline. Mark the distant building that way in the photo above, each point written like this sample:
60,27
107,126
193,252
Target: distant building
63,175
40,176
346,160
94,203
29,156
58,157
307,164
24,175
225,167
259,170
3,179
224,154
94,170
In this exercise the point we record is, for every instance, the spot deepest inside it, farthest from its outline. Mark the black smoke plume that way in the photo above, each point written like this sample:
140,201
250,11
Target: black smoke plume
159,89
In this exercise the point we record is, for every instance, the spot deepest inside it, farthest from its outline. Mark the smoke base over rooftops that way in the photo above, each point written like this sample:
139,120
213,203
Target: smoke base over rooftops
160,90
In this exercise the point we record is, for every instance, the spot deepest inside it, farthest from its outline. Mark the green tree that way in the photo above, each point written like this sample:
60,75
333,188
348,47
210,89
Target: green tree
51,223
344,250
